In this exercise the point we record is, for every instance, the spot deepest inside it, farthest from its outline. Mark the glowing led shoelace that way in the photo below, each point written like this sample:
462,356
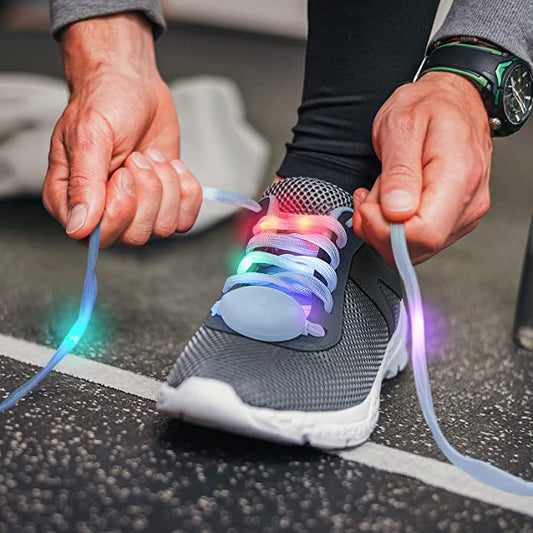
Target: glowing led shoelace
72,338
479,470
303,237
484,472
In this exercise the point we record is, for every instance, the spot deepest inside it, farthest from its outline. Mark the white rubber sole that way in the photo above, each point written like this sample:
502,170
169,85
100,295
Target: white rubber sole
215,404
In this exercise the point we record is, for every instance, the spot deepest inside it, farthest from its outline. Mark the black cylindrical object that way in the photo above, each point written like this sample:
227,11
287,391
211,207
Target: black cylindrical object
523,328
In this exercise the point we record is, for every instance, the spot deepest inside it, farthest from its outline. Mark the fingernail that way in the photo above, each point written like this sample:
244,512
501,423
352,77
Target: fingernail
399,200
126,180
141,161
155,155
76,218
179,166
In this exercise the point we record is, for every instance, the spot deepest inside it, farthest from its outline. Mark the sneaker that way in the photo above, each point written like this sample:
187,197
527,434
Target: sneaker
297,346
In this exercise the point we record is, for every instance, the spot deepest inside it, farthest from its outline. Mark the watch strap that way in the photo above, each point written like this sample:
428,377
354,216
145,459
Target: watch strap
481,65
486,68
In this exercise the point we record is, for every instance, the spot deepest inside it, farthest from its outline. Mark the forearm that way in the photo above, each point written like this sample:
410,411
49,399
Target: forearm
507,24
65,12
119,43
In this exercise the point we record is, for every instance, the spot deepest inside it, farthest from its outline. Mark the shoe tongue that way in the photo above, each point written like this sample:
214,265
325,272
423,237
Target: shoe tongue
308,196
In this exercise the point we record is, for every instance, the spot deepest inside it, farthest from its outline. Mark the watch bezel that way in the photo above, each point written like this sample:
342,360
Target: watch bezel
509,124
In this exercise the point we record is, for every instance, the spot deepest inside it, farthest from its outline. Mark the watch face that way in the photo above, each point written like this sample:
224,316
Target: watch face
518,95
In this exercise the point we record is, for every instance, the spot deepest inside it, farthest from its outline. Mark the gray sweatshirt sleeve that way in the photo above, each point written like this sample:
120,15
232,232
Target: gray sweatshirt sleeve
65,12
506,23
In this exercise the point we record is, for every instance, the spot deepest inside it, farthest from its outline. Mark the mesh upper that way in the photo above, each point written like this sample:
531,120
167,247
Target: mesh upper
308,196
268,375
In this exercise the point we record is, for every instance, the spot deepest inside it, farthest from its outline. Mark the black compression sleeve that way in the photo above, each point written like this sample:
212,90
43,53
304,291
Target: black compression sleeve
358,52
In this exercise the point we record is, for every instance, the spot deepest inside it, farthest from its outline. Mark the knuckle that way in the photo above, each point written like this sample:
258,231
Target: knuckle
191,191
472,226
482,208
186,223
135,237
365,215
87,128
401,120
404,93
474,167
164,229
432,242
120,210
153,184
485,206
399,171
78,187
47,203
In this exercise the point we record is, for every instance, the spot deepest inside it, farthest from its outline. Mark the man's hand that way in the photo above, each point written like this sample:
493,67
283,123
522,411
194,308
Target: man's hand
434,143
114,152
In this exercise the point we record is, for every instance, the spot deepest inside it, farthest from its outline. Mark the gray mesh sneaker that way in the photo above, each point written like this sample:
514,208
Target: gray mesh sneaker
298,344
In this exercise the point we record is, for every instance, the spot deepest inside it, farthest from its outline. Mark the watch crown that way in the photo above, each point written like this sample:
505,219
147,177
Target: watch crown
495,123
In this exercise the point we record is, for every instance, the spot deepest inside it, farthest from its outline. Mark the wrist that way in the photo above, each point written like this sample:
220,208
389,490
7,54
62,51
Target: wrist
115,44
452,82
459,89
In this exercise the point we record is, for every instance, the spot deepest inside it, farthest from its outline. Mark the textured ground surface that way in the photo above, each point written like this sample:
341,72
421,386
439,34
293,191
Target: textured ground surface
78,457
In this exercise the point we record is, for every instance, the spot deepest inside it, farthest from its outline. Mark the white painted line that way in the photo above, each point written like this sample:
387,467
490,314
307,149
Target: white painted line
430,471
435,473
78,367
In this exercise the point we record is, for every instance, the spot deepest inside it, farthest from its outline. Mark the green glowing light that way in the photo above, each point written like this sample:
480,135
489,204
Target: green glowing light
62,322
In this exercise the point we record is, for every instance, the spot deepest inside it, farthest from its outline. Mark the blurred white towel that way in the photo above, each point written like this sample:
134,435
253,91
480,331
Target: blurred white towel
218,145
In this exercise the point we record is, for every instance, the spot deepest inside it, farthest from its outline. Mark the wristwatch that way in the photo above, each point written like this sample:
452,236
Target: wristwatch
504,80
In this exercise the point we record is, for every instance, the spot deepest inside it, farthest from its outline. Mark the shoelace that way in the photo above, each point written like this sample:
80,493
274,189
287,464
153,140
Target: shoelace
75,333
294,272
484,472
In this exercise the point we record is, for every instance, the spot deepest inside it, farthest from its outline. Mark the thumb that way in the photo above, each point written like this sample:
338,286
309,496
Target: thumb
89,154
401,176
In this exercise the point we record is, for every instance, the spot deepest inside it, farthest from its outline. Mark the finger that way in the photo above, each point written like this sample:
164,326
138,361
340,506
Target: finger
479,204
148,191
399,141
191,196
167,218
56,180
376,229
454,237
89,150
462,231
359,196
120,207
363,195
451,179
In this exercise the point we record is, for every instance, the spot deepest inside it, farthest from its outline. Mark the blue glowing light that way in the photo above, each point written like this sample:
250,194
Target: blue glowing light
76,331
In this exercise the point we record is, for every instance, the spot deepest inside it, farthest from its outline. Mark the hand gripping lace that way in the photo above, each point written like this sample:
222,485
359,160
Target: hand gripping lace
88,297
294,271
